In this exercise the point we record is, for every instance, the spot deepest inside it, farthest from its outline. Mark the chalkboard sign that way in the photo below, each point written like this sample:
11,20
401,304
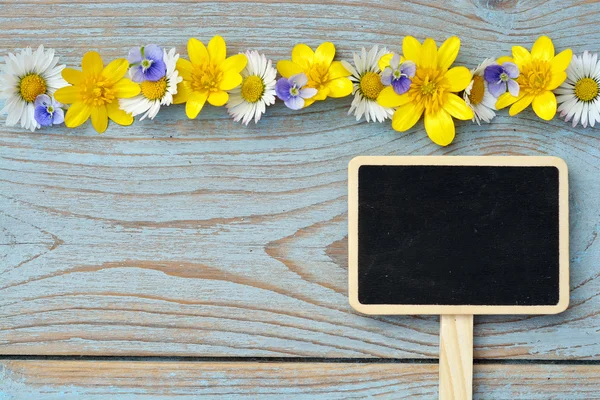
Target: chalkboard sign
458,235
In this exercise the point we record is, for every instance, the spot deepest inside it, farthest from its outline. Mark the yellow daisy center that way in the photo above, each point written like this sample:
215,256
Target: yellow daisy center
318,75
535,76
427,88
370,85
252,88
206,77
154,90
477,90
586,89
31,86
96,91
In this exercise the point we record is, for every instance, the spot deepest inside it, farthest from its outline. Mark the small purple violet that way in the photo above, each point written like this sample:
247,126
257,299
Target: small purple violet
146,63
502,78
398,74
48,111
291,92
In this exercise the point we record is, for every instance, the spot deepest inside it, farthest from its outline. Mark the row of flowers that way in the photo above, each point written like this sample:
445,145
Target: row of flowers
418,81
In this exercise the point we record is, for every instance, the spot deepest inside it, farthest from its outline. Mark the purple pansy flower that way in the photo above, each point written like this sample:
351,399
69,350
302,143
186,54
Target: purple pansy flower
398,74
291,92
501,78
48,111
146,63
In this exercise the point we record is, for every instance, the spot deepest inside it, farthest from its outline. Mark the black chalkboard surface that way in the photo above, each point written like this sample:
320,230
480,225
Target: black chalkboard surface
458,235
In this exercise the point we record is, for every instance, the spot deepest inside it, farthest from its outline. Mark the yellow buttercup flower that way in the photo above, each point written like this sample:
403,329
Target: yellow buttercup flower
432,90
540,73
207,75
95,92
329,77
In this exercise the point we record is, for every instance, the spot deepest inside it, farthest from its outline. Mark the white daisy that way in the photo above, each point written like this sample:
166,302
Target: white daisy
366,80
257,91
478,97
27,75
155,94
579,95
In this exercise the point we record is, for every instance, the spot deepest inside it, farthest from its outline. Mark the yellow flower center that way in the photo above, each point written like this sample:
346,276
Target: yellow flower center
318,75
477,90
586,89
370,85
31,86
252,88
535,76
96,91
427,88
206,77
154,90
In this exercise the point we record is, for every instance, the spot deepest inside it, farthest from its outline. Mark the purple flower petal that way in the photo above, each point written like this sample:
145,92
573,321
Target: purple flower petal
386,76
157,70
513,87
295,103
492,73
496,88
42,116
408,68
43,100
136,73
307,93
58,117
401,85
135,55
153,52
282,89
299,80
395,61
511,70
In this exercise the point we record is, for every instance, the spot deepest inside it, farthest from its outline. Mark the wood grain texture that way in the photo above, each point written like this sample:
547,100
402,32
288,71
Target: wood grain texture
456,357
207,238
165,380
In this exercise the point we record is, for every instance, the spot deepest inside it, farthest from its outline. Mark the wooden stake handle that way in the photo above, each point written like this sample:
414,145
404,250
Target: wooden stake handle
456,357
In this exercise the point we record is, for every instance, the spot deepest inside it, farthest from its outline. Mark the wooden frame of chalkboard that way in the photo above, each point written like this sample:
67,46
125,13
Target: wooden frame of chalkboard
496,161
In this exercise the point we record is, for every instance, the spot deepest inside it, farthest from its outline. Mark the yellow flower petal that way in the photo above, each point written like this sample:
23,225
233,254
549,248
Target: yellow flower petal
448,52
302,55
324,54
544,105
557,79
117,115
77,114
388,98
115,70
521,104
218,99
195,103
230,80
543,49
99,118
504,59
521,55
308,102
340,87
185,68
287,68
337,70
322,93
440,127
68,95
458,78
235,63
72,76
217,50
91,63
384,61
505,100
196,51
457,107
428,54
124,89
562,60
184,90
411,49
406,116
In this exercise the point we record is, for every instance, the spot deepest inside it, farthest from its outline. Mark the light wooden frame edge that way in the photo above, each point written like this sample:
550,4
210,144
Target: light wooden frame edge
414,309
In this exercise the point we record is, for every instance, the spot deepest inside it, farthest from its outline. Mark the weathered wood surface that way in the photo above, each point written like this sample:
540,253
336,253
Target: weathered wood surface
207,238
164,380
